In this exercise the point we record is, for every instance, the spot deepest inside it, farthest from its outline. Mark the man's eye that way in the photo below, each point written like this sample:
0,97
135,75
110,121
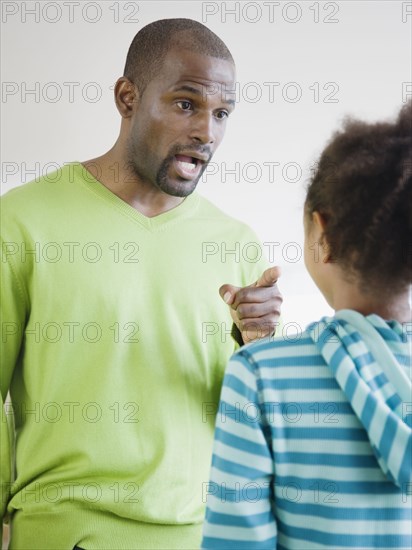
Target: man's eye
222,114
185,105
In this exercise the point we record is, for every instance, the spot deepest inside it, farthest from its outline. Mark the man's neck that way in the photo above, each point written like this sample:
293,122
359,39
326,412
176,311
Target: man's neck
111,170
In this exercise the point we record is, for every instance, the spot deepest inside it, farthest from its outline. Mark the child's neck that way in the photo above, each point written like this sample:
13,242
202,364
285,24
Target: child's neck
348,296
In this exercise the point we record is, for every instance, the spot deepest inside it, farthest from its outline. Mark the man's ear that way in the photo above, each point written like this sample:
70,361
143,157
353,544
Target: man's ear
126,95
319,224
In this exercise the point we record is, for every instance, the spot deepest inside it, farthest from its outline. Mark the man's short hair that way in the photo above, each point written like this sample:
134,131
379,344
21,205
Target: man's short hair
151,44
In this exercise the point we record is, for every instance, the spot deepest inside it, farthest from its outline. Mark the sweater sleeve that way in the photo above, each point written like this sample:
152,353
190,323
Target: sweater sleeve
239,494
13,308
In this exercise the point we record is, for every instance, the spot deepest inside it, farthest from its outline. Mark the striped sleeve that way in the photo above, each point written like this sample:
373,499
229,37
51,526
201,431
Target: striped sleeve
239,495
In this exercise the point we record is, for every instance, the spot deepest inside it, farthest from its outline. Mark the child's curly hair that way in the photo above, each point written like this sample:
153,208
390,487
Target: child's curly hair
363,188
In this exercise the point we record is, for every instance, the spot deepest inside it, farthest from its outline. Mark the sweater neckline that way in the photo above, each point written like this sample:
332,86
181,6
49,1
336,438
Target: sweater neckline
158,222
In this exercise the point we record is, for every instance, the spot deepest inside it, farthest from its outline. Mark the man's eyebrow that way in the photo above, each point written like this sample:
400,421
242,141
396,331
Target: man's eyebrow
196,91
187,88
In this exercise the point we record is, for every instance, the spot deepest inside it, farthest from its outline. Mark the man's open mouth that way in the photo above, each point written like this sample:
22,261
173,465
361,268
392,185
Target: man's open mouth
188,167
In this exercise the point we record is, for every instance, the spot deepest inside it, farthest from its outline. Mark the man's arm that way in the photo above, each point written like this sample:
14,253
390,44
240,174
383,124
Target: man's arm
13,308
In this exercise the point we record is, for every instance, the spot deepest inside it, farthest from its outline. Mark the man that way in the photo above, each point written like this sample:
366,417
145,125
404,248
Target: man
108,300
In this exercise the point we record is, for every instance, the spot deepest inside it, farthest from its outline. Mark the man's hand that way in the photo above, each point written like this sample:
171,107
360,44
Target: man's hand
255,309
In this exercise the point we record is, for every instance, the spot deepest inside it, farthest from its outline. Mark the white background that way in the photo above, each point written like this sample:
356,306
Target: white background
358,53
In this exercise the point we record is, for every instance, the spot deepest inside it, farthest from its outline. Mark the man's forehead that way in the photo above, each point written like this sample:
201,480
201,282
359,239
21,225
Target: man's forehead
183,65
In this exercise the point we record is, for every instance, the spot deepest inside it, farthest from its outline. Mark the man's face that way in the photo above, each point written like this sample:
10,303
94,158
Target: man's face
180,120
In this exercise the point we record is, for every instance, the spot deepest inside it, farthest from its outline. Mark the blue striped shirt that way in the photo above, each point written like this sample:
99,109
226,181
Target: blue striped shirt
313,441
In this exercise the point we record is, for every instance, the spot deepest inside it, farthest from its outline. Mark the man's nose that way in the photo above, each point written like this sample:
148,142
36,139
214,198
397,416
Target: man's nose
203,129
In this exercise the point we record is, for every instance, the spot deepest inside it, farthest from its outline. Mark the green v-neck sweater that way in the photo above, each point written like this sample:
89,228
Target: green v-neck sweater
114,343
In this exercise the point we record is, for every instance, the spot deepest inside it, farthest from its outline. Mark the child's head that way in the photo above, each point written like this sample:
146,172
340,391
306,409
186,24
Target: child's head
359,203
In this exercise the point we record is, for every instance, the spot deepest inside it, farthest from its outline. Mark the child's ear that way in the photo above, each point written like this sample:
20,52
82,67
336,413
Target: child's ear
319,224
319,220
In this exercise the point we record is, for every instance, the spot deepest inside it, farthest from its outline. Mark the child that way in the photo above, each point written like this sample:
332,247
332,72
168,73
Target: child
313,443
